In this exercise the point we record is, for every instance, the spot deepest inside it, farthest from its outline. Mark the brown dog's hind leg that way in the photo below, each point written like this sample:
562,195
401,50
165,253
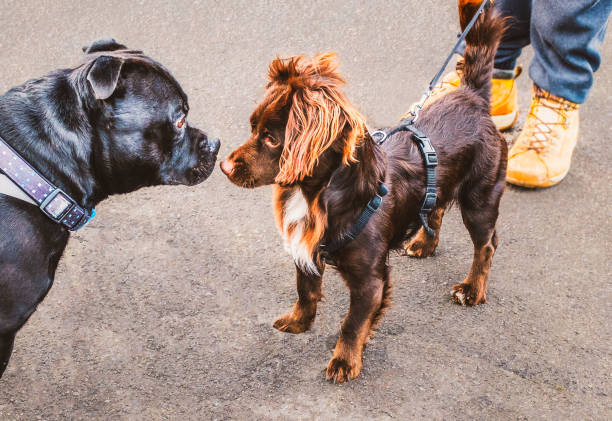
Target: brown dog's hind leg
6,348
479,209
302,316
473,290
421,244
367,304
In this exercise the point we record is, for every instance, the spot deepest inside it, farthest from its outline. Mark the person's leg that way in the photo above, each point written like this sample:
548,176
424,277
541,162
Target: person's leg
504,95
517,33
504,104
566,41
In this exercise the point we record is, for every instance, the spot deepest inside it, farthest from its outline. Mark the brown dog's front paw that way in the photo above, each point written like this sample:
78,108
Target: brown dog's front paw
418,249
466,294
421,245
341,369
288,323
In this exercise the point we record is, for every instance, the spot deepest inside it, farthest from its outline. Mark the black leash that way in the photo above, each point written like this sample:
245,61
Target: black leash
435,79
427,150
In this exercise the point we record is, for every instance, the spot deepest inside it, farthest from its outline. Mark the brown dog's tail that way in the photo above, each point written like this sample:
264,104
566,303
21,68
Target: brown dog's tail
481,46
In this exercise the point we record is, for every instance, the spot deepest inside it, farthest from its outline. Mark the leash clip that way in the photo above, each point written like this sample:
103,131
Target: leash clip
419,105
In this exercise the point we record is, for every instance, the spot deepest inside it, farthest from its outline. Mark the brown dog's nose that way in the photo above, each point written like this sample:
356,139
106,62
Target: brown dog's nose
227,167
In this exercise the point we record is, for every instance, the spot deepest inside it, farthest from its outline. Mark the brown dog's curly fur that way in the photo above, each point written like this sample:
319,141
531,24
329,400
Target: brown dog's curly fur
310,142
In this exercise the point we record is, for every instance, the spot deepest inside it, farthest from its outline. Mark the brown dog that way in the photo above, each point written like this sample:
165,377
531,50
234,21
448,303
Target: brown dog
310,142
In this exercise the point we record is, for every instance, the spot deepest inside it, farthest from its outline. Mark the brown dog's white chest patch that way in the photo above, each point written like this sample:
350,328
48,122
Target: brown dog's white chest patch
295,215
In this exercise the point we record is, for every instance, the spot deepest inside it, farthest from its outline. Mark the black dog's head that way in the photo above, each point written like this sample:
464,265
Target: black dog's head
138,115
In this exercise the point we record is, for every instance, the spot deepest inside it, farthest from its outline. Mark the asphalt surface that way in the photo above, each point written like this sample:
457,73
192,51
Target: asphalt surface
163,307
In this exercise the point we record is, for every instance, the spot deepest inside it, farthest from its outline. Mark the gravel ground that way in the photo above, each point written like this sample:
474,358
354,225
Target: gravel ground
163,307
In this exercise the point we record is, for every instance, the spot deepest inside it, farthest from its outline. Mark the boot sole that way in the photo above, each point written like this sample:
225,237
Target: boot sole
506,121
553,181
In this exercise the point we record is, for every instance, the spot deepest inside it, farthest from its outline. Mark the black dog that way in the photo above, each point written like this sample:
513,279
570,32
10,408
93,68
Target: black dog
111,125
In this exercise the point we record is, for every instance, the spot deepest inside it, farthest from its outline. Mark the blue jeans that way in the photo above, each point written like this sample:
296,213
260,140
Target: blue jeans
566,36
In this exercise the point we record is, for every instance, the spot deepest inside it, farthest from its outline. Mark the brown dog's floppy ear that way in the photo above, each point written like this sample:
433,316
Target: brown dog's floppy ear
104,75
319,116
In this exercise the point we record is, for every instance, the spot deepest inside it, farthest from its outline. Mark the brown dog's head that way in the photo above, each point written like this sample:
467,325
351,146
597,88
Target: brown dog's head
303,117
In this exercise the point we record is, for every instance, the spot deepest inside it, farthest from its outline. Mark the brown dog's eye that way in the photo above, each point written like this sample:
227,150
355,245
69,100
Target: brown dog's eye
270,141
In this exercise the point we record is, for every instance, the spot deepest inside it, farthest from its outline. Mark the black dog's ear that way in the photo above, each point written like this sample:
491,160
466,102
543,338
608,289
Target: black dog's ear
104,75
108,44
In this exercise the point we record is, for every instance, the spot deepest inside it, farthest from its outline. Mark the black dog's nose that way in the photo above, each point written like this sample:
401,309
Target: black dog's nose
214,145
211,146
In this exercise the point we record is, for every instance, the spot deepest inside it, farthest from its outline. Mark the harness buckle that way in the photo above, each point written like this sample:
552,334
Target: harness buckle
431,159
429,202
426,143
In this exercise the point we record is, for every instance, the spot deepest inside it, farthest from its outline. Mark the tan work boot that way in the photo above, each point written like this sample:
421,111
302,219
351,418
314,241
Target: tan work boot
504,105
542,154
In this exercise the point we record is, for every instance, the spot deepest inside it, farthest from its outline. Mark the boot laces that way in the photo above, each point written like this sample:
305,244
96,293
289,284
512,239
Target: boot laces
541,136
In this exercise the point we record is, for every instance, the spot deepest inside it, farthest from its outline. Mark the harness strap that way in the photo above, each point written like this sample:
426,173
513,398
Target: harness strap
431,162
370,209
51,200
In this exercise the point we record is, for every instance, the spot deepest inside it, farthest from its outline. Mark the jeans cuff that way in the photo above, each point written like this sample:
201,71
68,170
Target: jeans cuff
503,74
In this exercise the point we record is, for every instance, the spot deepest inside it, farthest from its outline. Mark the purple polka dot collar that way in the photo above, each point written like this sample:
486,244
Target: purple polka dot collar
52,201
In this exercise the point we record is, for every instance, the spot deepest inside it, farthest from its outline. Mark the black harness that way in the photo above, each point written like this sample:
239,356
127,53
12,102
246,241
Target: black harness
427,150
370,209
430,158
429,201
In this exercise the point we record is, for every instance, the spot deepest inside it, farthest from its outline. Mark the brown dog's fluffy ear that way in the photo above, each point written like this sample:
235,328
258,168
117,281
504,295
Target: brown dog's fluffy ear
319,114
